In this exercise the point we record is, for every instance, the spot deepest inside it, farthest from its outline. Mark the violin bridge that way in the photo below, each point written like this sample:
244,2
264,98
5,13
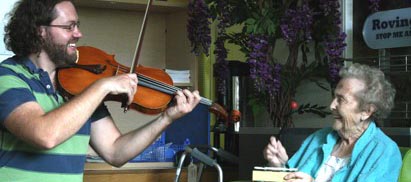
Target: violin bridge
118,67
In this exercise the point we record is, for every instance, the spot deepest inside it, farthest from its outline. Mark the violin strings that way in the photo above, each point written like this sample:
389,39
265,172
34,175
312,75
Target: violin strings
166,87
124,69
119,67
145,79
155,84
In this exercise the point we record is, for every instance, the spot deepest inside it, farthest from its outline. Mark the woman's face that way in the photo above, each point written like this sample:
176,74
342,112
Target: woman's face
345,109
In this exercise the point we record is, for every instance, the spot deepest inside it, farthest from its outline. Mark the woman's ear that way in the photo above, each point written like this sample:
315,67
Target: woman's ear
366,114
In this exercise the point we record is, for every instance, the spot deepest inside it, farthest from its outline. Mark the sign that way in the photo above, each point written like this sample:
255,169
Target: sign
388,29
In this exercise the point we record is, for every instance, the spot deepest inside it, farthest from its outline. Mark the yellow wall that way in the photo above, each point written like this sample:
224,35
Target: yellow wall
234,52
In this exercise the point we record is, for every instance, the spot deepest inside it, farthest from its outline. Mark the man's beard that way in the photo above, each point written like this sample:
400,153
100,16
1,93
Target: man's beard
58,53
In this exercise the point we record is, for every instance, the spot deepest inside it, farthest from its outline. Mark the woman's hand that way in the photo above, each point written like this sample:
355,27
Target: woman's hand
275,153
298,177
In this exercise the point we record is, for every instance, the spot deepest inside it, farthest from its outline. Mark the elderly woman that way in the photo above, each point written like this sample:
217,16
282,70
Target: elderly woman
354,149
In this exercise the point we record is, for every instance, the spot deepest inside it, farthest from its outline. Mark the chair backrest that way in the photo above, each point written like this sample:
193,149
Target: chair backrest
405,173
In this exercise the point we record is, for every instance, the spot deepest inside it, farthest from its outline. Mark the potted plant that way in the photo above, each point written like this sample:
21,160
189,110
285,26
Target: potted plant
308,27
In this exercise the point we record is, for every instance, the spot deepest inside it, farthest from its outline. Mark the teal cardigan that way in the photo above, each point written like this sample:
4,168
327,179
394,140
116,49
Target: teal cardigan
375,157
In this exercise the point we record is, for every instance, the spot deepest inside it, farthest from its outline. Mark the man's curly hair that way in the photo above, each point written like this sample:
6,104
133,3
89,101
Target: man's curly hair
22,32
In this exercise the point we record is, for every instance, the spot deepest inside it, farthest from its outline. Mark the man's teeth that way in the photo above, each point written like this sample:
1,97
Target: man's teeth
72,45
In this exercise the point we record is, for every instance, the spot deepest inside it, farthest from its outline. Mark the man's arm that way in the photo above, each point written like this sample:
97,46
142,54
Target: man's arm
117,149
30,123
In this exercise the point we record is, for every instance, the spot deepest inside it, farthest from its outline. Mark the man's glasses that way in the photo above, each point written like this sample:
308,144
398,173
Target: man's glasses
69,28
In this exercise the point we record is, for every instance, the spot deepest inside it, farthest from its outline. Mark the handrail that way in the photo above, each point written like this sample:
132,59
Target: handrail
389,64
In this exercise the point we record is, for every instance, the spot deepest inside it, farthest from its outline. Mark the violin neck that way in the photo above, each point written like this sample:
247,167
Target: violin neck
165,88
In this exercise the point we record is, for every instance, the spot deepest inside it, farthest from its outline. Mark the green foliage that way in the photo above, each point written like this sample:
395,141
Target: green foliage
319,110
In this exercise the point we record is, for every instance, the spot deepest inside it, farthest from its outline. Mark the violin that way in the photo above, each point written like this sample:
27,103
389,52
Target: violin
155,88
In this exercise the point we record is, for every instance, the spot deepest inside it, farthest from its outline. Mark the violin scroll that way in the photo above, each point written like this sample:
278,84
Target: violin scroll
219,111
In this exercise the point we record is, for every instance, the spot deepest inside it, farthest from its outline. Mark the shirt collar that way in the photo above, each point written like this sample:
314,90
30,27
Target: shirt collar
364,139
30,65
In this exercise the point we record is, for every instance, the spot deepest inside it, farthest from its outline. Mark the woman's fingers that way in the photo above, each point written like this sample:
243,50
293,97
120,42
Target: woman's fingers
297,177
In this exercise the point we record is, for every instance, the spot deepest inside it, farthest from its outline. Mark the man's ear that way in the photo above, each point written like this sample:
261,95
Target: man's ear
42,31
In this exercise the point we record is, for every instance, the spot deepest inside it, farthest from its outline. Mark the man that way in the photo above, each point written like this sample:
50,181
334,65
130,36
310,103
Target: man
354,149
44,137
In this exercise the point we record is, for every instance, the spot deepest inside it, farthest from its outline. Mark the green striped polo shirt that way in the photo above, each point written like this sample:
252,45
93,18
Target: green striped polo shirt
21,82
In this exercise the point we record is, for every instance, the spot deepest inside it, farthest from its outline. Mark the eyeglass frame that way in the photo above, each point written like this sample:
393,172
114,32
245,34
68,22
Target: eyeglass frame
69,28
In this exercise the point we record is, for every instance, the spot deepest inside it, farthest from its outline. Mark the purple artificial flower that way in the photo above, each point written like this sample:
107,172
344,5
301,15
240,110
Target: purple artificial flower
221,66
296,24
334,69
329,6
374,5
198,27
333,42
265,75
335,46
277,78
224,18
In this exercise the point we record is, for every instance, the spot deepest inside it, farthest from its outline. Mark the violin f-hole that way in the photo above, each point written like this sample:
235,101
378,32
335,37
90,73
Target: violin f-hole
93,68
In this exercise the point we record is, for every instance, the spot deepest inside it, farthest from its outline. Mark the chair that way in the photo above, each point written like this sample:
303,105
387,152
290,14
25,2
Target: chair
405,173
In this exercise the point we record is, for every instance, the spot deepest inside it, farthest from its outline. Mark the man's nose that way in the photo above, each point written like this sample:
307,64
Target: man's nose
77,33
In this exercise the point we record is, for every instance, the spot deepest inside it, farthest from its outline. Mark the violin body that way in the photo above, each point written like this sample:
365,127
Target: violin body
94,64
155,88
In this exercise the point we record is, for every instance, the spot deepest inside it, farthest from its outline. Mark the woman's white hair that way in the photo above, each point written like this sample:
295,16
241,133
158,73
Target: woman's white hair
378,91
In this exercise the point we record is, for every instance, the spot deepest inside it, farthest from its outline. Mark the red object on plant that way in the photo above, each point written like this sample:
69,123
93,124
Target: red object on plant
294,105
235,116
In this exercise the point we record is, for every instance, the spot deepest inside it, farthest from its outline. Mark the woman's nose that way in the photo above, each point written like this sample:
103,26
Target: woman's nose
333,104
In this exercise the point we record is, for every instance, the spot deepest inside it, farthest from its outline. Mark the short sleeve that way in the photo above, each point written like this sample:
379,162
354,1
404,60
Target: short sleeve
100,113
13,93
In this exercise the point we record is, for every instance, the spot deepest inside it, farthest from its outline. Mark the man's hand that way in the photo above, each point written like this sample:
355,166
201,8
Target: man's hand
275,153
121,84
185,101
